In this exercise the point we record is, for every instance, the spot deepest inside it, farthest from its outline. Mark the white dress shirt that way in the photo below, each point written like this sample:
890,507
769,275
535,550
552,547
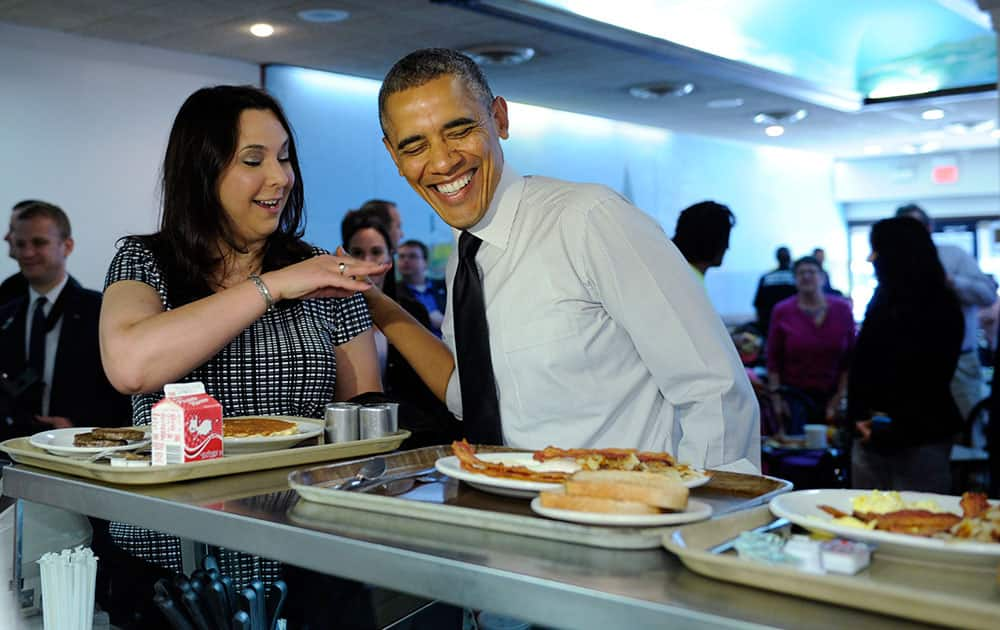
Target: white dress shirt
600,335
974,288
51,339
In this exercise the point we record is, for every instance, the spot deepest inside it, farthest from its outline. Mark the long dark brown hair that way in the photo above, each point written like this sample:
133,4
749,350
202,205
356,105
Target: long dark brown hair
193,223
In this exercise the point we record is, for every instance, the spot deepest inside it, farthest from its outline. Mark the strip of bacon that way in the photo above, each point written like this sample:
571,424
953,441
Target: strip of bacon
552,452
467,456
916,522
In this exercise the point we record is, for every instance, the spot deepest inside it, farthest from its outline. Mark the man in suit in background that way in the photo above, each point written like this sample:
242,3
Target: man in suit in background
49,353
15,285
411,260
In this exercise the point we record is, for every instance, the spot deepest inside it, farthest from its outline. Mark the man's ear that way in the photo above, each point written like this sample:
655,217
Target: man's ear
392,153
68,245
499,113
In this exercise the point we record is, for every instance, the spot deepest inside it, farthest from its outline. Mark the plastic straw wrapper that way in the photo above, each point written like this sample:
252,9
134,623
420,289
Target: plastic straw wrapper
68,582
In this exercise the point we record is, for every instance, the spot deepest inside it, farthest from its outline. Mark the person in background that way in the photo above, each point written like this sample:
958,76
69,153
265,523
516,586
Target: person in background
898,395
702,235
15,285
773,287
974,290
412,257
384,211
809,346
572,318
49,354
226,292
420,411
820,255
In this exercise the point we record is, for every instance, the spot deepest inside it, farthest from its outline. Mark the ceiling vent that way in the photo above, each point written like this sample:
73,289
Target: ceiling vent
651,91
780,118
500,54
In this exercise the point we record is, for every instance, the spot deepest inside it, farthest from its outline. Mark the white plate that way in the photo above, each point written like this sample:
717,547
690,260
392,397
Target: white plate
801,508
60,442
452,467
239,446
696,511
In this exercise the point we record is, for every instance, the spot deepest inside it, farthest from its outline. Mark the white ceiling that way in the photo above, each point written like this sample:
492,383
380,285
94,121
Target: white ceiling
570,72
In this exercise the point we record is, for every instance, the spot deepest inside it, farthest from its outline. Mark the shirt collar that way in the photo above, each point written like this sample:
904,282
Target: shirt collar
495,226
52,295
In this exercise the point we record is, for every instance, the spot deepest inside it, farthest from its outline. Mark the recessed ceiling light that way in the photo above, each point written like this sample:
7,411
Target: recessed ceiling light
500,54
323,15
262,29
661,90
873,149
780,118
932,114
774,130
724,103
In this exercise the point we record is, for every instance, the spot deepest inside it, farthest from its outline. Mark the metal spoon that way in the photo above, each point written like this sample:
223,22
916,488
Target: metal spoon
373,468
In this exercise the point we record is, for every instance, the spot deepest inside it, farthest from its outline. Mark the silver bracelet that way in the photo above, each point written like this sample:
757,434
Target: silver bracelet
264,293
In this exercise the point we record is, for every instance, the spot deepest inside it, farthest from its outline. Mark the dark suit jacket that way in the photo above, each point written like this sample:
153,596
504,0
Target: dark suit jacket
80,390
13,287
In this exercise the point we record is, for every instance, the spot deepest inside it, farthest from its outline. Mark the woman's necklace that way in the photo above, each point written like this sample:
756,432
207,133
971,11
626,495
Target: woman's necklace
817,312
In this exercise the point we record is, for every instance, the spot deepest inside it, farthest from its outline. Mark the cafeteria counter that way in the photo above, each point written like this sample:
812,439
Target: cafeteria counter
555,584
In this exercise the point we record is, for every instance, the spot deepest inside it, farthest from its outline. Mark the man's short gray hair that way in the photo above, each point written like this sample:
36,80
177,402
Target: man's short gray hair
425,65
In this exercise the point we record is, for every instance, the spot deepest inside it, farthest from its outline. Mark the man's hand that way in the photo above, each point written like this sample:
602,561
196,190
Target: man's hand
56,422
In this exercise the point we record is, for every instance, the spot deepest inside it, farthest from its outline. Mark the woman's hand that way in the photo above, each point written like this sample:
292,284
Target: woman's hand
864,430
322,276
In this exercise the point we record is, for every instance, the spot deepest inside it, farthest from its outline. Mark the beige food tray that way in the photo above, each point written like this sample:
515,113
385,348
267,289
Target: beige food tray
455,503
309,452
962,596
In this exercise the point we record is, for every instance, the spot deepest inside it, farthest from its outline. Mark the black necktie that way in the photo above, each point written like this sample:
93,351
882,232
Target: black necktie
36,344
480,408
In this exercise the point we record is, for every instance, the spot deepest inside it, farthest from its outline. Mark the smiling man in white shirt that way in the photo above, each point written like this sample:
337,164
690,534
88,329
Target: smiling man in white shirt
598,333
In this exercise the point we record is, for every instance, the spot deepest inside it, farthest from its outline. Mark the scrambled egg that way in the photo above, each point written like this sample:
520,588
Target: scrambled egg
878,502
850,521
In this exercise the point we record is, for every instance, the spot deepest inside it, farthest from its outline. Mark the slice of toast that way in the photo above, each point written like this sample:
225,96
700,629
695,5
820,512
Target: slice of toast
672,497
561,501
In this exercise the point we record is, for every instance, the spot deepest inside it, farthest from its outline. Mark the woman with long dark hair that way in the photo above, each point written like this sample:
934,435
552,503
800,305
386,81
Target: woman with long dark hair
366,237
228,293
899,397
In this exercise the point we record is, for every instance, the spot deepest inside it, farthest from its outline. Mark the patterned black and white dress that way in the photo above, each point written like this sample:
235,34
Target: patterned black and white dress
283,364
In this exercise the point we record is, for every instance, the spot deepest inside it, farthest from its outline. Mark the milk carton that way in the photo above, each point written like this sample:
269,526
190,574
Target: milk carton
187,425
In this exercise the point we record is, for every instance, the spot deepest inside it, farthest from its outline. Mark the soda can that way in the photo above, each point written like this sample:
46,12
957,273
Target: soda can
341,422
375,421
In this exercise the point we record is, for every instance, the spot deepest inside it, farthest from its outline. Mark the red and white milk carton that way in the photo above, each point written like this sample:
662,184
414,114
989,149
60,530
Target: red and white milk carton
187,425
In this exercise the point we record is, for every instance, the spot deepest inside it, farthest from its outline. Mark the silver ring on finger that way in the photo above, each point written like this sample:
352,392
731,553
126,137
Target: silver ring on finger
342,267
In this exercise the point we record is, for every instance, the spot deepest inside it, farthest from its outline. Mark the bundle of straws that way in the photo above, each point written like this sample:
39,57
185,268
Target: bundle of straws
68,588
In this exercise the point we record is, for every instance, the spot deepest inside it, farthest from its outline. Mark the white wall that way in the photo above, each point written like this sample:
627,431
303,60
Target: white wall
873,188
779,197
84,125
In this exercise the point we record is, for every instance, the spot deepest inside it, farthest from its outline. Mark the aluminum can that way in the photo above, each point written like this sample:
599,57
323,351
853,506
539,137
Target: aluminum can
375,421
341,422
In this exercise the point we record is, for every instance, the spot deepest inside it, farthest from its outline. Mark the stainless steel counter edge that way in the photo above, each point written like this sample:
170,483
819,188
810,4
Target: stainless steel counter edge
536,600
